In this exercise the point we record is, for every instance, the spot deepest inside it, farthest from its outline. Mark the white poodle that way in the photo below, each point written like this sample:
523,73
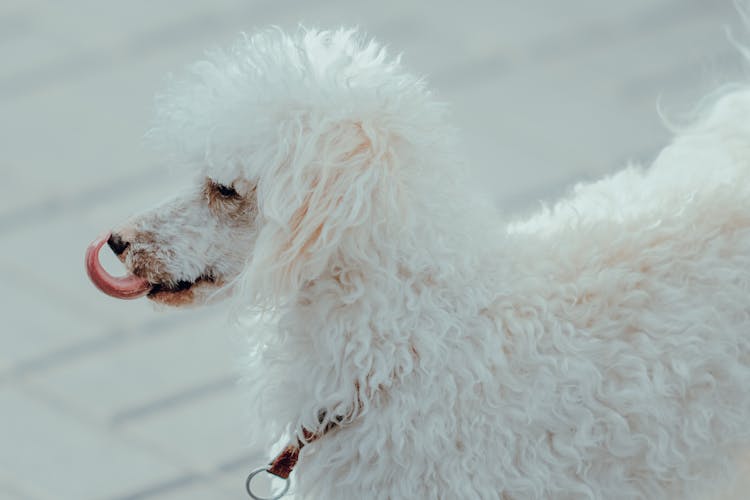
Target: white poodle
422,347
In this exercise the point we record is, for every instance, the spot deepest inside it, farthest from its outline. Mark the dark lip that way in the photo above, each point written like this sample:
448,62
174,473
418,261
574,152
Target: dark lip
179,286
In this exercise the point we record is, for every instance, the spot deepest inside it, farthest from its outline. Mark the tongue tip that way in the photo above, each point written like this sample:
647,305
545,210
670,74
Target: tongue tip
126,287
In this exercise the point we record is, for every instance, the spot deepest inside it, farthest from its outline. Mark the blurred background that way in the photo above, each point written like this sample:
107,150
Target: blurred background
111,400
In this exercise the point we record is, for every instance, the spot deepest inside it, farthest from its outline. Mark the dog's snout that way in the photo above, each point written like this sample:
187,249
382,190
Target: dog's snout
117,244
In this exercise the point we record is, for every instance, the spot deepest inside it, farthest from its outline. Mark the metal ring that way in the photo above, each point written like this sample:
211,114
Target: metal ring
256,497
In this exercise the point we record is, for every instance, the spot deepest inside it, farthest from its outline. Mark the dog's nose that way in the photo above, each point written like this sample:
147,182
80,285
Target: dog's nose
117,244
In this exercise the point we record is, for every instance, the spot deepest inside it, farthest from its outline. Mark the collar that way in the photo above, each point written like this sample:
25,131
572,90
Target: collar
283,464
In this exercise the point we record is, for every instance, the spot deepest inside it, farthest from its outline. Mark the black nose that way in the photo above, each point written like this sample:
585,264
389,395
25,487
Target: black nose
117,244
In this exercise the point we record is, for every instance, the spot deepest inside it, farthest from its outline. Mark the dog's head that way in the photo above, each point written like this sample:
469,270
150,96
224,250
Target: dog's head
305,149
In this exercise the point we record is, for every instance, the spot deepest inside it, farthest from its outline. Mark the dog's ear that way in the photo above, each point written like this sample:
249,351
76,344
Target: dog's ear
322,202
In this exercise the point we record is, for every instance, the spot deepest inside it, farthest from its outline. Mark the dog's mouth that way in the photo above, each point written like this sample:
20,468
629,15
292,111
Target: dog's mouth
178,287
181,292
132,287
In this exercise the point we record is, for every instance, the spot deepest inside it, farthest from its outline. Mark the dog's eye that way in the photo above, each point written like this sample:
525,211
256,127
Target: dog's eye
226,191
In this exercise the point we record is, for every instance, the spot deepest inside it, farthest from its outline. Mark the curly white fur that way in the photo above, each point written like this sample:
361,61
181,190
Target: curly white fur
599,350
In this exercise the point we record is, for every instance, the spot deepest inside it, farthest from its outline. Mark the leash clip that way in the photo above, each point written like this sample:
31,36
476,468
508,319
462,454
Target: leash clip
254,496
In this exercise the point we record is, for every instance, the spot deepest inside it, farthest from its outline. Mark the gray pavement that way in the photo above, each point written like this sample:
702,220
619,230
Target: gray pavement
106,400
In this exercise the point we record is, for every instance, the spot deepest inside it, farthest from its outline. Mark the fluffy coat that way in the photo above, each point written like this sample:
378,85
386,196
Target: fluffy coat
600,349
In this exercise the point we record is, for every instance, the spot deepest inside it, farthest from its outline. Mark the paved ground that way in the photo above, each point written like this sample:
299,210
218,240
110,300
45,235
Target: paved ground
101,399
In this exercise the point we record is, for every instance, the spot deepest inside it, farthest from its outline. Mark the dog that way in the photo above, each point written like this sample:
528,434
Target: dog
417,343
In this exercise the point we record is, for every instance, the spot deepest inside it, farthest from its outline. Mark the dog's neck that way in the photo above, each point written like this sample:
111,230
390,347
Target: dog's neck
357,332
363,327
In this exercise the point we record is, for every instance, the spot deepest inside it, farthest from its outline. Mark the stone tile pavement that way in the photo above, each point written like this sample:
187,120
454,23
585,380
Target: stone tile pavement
107,400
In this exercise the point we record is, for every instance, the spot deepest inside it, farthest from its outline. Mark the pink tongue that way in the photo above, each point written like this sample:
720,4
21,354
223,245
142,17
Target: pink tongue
126,287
